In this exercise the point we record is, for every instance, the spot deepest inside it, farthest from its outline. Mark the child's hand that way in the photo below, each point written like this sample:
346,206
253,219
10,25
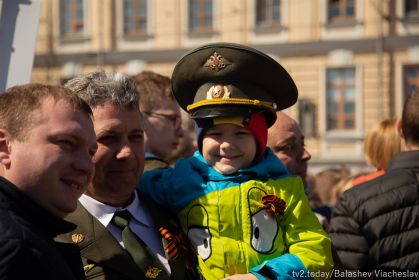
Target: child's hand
248,276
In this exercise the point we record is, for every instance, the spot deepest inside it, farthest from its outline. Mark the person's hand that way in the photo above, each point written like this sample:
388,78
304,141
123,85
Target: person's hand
248,276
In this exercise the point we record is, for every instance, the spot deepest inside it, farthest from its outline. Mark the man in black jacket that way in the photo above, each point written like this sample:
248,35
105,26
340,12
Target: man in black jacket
46,146
375,226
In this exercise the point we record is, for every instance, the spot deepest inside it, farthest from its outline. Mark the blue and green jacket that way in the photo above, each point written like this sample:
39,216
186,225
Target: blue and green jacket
229,227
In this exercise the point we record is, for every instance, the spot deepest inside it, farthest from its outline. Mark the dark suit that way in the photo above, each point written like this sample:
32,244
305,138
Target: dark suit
103,257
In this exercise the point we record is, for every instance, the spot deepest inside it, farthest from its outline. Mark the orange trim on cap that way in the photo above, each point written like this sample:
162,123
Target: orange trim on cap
229,101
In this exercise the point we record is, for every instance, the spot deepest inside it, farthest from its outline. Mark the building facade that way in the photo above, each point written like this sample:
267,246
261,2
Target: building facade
354,61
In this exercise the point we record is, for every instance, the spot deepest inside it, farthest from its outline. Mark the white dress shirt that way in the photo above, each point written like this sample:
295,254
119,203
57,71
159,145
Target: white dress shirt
141,224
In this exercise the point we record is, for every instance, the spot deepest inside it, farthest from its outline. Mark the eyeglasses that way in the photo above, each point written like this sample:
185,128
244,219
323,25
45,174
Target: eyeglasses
174,119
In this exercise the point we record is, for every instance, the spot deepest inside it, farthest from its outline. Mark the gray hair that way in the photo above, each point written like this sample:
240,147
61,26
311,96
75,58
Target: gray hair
99,87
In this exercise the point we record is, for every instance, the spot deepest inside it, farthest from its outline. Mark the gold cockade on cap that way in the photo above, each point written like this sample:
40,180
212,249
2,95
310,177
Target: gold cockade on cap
216,62
217,92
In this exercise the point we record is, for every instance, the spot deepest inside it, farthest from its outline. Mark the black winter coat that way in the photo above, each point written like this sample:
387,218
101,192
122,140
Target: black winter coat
27,249
375,226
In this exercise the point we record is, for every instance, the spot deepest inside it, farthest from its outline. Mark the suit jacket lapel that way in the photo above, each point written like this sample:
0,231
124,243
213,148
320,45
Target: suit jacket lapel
99,246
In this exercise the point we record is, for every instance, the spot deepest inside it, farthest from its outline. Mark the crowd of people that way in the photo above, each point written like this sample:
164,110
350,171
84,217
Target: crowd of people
105,178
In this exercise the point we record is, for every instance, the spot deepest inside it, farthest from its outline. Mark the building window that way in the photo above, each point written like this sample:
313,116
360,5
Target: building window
200,15
135,17
340,99
411,8
341,10
410,79
72,18
268,13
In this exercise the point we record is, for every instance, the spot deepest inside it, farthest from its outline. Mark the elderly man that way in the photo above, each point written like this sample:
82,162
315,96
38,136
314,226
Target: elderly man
119,233
46,146
287,142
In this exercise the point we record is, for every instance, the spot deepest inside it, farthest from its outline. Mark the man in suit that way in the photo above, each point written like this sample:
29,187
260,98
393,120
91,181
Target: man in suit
162,119
105,244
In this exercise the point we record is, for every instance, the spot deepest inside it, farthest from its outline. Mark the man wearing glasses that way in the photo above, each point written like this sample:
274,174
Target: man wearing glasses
162,119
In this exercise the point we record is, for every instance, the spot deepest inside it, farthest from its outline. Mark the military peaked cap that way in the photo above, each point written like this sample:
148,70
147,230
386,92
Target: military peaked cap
225,79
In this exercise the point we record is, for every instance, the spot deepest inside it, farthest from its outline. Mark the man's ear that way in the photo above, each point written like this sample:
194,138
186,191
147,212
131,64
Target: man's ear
5,148
399,127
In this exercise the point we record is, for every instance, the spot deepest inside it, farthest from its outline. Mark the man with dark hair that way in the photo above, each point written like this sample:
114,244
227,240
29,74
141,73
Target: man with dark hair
46,146
162,119
375,226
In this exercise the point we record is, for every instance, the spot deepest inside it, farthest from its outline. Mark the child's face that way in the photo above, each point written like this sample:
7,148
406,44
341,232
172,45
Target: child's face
228,148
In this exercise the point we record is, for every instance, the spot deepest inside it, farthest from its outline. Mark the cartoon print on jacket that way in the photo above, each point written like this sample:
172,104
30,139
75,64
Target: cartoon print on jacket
230,227
264,224
199,235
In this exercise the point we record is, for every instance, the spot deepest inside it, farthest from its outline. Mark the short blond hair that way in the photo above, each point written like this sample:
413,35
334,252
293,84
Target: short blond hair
382,143
19,103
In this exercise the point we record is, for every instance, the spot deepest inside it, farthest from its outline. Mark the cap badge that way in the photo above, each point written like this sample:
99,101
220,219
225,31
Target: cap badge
77,238
217,92
216,62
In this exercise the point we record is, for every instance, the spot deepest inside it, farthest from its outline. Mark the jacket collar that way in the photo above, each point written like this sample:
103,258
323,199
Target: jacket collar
36,216
268,167
104,212
98,245
403,160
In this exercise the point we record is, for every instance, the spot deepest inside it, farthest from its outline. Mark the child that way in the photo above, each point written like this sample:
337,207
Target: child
242,211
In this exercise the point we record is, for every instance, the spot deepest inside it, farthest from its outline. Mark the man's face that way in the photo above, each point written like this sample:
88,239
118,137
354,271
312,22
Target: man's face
228,148
163,129
119,160
287,142
53,164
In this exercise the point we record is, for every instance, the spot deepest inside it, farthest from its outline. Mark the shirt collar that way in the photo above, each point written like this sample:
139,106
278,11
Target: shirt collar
150,155
104,212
